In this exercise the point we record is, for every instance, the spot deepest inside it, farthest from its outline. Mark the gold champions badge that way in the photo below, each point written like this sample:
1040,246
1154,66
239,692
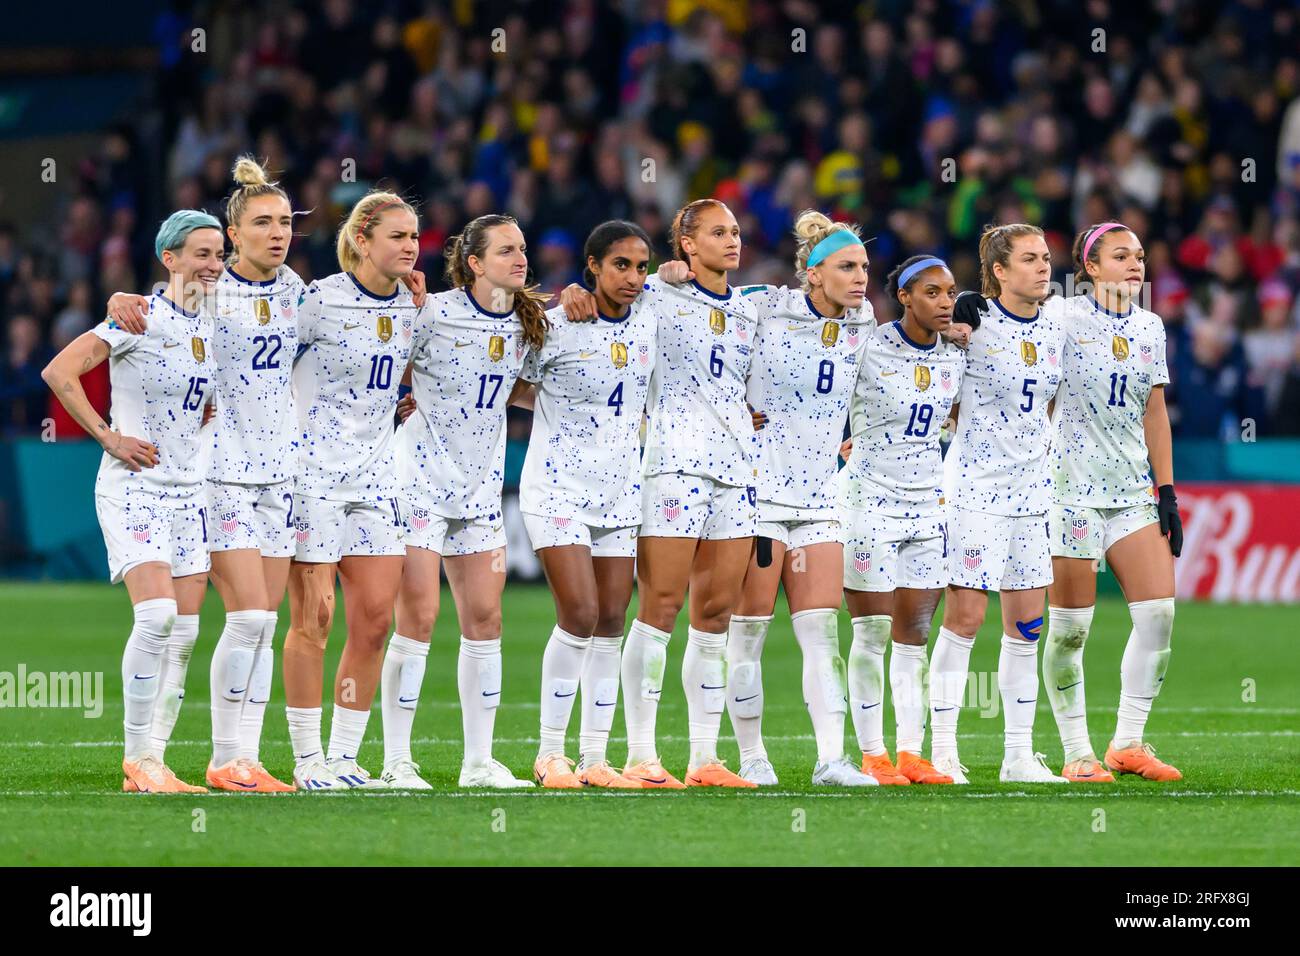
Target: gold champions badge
922,375
262,309
496,348
1028,352
717,321
384,327
618,353
1119,347
196,346
830,334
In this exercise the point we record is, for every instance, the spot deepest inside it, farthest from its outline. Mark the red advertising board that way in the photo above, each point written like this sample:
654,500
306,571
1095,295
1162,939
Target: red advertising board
1241,542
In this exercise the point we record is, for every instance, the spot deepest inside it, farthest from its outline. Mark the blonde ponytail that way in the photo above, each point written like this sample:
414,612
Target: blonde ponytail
810,228
361,221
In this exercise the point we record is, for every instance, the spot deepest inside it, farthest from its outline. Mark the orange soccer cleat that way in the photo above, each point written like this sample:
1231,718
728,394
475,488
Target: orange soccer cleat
603,775
919,770
883,769
243,776
555,772
151,775
716,775
1088,770
651,775
1140,759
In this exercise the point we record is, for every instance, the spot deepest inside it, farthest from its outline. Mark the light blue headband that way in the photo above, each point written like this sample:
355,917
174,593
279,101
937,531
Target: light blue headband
836,241
911,271
177,227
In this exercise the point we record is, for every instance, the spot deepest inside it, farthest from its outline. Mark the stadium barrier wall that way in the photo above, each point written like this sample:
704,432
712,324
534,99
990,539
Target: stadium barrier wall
1242,530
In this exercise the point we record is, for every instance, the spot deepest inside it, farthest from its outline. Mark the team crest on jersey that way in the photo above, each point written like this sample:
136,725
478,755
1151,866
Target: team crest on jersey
672,508
384,327
830,334
262,310
1119,347
1029,352
972,558
618,354
717,321
1147,353
407,331
301,529
862,561
140,532
945,379
419,518
229,522
1078,528
496,348
643,354
1052,358
853,333
922,375
198,348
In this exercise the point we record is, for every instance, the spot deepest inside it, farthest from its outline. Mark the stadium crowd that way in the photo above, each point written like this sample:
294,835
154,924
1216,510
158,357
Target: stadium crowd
921,120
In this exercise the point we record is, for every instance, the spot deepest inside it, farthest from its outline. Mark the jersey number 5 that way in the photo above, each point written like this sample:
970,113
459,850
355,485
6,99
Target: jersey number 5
1028,405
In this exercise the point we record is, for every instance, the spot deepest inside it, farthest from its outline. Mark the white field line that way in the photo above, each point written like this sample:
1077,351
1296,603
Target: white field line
948,793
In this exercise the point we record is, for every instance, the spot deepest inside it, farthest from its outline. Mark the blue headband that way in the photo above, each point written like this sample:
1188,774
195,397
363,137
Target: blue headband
836,241
917,267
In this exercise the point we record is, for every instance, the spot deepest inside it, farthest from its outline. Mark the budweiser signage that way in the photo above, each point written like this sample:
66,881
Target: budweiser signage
1241,542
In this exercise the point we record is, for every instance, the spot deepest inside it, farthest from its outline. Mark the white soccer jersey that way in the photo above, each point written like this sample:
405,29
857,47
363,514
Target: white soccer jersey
452,451
354,347
584,456
1111,364
699,424
998,463
802,379
161,381
255,341
904,393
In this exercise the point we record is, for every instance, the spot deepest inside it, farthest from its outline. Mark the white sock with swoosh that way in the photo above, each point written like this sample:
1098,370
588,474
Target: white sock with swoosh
399,694
599,698
478,679
561,670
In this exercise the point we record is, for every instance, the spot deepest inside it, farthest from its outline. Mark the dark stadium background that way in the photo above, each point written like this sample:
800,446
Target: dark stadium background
1185,126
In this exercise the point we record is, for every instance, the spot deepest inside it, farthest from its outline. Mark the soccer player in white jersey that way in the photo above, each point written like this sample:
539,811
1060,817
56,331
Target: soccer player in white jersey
470,345
580,495
896,538
250,464
698,500
996,476
149,492
1111,434
355,330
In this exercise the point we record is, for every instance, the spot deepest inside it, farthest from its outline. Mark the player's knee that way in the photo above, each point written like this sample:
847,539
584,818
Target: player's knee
415,619
153,621
661,610
483,626
610,622
712,615
962,620
580,617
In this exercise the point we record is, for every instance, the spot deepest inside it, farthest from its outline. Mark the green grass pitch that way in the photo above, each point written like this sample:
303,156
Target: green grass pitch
1237,804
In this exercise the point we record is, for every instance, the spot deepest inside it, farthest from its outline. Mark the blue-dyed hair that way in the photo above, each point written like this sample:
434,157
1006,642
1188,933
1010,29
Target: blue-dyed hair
177,227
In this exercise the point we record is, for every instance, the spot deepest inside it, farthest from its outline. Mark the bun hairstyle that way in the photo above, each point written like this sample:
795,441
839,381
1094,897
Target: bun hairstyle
473,241
687,223
810,228
363,220
604,236
251,177
995,247
1094,234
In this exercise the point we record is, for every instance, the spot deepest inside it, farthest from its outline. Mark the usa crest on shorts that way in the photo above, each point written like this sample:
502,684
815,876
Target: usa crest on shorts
972,558
1078,528
862,561
672,508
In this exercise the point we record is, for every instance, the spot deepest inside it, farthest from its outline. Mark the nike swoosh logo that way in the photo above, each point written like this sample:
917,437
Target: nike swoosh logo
240,691
246,786
711,687
869,706
1086,342
940,710
492,693
601,703
170,345
993,351
1068,686
461,345
305,756
741,700
655,693
1082,776
251,701
652,779
145,677
586,355
683,312
1021,700
886,374
569,694
406,700
497,527
348,328
793,328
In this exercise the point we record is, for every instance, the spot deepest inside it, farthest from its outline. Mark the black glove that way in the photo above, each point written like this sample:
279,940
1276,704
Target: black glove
764,552
970,309
1171,524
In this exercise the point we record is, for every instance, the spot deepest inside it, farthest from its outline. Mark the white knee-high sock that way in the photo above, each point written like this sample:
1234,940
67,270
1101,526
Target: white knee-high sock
399,694
561,671
259,692
478,679
229,675
599,684
1018,684
907,673
142,664
824,683
304,733
347,731
745,639
1067,630
948,671
171,683
704,677
1142,670
644,658
867,680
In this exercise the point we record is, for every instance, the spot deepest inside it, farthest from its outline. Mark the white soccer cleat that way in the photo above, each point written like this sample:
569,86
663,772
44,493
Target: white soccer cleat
841,773
950,765
315,775
404,775
1029,770
759,770
493,774
352,775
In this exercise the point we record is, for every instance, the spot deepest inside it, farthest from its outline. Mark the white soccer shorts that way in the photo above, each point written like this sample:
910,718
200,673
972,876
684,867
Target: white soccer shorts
325,531
259,517
998,552
1090,532
451,537
557,532
884,552
141,530
690,506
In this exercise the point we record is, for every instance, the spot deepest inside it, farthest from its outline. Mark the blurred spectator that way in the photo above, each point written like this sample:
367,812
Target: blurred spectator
22,390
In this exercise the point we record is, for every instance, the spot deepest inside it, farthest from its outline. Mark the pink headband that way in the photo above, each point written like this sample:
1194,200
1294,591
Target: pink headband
380,208
1096,233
